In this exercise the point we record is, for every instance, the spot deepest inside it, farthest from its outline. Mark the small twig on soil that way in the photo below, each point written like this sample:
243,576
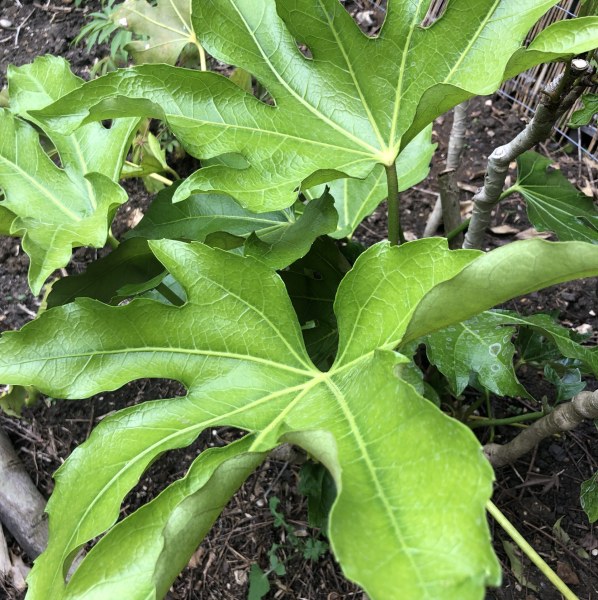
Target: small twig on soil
21,25
558,96
21,504
563,418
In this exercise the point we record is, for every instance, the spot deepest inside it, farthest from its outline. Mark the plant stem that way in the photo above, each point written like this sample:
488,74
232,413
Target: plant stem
558,583
112,241
558,96
395,233
506,421
563,418
455,232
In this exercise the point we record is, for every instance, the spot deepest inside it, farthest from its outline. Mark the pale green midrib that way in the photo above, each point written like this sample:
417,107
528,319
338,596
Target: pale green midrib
183,34
43,191
307,387
303,360
272,132
310,108
362,307
186,25
181,432
399,88
473,40
363,449
167,350
365,105
271,223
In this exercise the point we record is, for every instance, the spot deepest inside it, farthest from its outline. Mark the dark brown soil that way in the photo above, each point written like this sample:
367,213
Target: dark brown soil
534,493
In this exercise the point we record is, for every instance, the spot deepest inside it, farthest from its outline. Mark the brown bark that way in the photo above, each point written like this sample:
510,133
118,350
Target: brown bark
21,504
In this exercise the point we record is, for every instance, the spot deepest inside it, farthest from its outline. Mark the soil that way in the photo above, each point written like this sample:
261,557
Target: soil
539,493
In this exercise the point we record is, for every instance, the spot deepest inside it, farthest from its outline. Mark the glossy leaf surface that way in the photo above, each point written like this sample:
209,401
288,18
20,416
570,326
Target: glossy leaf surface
477,346
333,115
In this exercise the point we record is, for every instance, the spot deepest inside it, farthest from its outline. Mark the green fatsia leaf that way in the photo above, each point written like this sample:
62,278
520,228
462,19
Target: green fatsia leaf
92,148
553,203
412,483
129,264
562,39
277,238
355,199
589,498
200,215
151,547
586,113
312,283
55,209
333,113
495,277
6,219
282,246
167,26
562,337
477,346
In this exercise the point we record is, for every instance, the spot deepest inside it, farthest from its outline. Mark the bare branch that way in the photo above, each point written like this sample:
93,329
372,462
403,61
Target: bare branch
563,418
21,504
558,96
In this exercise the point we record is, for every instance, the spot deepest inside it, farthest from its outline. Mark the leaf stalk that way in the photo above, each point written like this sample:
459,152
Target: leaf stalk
558,583
395,232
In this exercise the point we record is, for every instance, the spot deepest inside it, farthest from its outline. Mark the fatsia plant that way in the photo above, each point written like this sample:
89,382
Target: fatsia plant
412,483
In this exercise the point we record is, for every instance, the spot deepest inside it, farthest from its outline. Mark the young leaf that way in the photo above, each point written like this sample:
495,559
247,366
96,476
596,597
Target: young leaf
278,238
283,246
167,27
479,346
55,209
333,114
554,204
584,115
200,215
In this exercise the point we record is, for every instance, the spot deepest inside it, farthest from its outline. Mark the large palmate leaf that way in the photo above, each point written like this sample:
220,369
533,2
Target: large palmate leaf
553,203
412,483
55,209
51,208
166,26
354,104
